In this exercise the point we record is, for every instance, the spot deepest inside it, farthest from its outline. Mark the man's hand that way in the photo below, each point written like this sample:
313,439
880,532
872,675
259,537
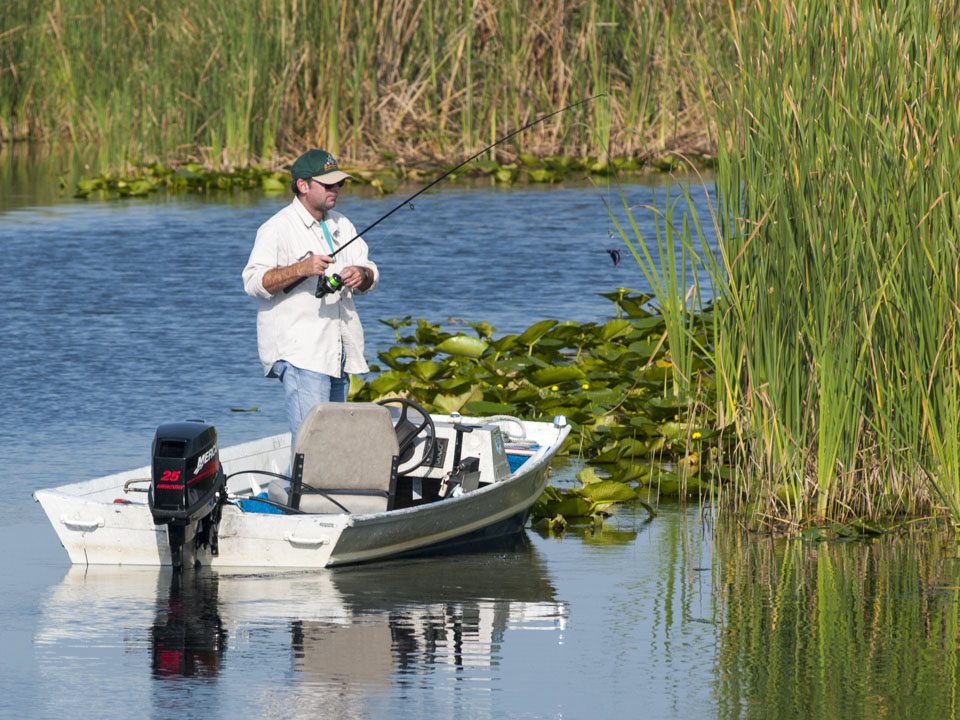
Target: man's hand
279,278
314,265
357,277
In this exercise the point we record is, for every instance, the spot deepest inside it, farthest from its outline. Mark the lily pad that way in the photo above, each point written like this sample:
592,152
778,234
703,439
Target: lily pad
608,491
615,328
386,383
536,331
425,369
462,345
454,403
556,375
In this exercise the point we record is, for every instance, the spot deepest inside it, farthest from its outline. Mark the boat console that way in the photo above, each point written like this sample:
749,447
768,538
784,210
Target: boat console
458,441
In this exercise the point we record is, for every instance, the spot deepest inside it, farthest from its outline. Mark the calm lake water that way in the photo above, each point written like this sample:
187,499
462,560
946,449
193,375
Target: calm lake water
118,316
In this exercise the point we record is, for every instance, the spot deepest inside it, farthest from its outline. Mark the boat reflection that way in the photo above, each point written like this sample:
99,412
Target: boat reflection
345,631
409,617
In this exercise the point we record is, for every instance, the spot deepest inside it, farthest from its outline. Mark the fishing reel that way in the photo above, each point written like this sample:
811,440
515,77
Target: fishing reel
328,285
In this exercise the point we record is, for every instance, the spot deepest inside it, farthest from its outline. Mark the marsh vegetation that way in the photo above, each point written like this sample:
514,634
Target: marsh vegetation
837,351
397,82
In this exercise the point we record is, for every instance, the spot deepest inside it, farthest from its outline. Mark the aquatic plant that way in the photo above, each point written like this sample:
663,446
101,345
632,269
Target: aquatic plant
190,177
611,380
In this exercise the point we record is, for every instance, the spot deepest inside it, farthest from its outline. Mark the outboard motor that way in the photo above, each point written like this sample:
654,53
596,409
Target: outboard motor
186,488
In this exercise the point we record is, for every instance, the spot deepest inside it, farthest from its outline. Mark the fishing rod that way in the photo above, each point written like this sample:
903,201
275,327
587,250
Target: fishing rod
334,283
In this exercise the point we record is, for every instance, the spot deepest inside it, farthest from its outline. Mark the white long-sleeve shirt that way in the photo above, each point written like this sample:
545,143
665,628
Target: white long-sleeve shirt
307,332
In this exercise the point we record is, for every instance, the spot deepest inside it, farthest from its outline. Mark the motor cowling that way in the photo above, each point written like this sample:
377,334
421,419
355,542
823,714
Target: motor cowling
185,489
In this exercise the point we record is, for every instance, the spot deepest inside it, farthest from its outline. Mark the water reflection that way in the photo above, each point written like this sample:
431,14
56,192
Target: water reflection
188,638
349,635
838,629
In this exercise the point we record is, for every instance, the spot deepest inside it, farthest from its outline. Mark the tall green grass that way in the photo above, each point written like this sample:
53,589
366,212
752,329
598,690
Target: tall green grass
228,83
836,347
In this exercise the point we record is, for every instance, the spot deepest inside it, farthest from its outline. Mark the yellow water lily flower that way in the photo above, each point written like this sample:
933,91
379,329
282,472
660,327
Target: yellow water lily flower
554,388
586,386
697,435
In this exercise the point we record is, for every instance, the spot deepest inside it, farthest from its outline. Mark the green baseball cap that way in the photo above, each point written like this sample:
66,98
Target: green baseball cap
317,165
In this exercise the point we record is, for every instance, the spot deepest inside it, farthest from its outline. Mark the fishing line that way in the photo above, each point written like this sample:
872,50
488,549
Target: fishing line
327,285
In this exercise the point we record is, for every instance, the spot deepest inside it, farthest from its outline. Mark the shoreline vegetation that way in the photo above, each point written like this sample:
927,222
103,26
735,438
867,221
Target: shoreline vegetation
837,353
193,177
823,376
398,84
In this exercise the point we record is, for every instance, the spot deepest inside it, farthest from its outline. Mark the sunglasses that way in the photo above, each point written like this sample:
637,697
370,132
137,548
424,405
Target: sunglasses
328,186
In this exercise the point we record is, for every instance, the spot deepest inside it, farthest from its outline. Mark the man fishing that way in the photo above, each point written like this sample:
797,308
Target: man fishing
311,341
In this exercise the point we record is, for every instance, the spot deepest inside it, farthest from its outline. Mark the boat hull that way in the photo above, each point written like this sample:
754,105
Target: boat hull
98,525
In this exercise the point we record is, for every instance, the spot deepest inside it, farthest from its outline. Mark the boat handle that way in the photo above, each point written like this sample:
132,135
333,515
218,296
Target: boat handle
82,524
294,540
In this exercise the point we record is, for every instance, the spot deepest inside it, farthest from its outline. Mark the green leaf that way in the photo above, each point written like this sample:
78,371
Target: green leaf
609,455
398,323
615,328
608,491
540,175
536,331
453,403
454,384
505,343
356,384
425,369
648,325
428,333
630,473
588,475
483,407
631,448
643,348
386,383
556,375
659,408
570,506
483,329
462,345
273,184
604,398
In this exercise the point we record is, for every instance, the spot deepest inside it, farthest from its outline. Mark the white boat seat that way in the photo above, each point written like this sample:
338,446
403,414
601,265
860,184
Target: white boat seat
349,457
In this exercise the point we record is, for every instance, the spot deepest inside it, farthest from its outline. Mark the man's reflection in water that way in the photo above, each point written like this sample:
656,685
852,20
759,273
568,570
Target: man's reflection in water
188,638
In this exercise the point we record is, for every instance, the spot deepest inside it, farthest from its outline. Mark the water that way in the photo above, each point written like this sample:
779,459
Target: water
118,316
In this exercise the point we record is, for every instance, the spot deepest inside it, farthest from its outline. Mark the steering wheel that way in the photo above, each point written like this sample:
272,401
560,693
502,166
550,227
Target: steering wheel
413,424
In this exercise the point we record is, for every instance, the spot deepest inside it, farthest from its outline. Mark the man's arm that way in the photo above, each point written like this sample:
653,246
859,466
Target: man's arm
277,279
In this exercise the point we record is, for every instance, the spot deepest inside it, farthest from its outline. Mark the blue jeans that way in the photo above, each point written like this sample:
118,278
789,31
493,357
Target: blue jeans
302,389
